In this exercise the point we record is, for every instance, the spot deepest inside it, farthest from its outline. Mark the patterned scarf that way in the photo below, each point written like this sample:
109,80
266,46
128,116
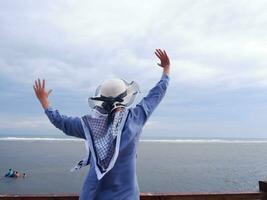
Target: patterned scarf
103,140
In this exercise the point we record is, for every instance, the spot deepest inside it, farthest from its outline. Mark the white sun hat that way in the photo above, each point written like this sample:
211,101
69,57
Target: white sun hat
114,93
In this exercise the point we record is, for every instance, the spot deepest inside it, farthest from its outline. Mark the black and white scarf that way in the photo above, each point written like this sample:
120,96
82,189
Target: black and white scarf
102,141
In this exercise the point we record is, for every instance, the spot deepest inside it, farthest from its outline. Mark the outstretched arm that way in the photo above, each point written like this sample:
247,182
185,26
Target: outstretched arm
147,105
71,126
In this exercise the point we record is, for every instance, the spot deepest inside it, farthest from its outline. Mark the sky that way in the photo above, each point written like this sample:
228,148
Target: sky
217,49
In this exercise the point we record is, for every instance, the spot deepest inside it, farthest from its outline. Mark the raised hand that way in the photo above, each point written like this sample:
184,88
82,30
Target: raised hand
164,60
41,94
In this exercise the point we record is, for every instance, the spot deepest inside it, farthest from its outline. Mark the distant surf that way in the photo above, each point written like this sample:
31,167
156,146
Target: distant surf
37,139
209,140
163,165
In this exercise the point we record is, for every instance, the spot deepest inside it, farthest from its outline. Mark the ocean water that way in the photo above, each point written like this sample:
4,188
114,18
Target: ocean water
210,165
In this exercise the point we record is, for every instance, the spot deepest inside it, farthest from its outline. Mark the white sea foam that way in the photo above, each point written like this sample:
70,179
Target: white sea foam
37,139
143,140
208,141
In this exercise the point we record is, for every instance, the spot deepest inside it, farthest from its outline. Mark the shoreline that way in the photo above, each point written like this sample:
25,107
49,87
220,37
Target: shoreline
181,140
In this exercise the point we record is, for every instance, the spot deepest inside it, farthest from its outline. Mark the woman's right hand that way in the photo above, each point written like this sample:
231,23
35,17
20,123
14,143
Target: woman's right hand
41,93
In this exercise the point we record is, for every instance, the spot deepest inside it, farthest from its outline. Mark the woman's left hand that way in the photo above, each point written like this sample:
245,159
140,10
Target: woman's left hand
164,60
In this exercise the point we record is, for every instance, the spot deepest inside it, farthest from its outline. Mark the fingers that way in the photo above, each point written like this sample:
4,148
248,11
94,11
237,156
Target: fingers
36,85
164,59
39,84
35,89
161,54
48,93
43,86
157,54
166,55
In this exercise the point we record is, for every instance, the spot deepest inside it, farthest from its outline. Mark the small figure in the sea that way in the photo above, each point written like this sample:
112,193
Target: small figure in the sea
14,174
9,173
111,132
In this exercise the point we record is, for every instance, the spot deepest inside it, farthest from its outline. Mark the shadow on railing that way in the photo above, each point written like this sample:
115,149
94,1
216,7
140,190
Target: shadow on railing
260,195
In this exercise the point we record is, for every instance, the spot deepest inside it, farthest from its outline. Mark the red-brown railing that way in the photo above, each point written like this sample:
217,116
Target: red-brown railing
258,195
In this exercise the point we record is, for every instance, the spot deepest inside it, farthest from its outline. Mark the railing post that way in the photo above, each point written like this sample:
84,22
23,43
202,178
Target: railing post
263,188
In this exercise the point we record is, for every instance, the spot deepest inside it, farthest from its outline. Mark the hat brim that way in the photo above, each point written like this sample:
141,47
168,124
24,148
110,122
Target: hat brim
131,88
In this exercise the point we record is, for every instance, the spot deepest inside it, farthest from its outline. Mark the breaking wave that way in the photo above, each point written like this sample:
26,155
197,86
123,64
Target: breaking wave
143,140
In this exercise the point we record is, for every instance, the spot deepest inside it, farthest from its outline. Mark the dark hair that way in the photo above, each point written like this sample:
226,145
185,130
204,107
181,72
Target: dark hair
111,116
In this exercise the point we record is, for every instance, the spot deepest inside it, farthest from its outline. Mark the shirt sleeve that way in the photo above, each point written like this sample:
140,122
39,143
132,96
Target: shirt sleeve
147,105
71,126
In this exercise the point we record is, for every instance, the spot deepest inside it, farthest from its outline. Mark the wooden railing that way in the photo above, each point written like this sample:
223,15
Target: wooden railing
258,195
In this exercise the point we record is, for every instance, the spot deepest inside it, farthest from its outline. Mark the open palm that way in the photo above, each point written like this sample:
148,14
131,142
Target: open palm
164,59
41,93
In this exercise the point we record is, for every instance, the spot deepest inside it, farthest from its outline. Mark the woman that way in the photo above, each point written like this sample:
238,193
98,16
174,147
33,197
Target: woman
111,133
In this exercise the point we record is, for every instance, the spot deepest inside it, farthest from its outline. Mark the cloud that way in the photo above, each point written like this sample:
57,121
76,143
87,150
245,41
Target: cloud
214,46
76,44
16,123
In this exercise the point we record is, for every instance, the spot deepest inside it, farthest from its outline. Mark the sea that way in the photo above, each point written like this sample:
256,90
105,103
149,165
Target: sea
163,165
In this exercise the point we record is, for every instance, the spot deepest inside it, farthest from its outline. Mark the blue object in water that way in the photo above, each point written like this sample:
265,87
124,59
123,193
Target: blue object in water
9,173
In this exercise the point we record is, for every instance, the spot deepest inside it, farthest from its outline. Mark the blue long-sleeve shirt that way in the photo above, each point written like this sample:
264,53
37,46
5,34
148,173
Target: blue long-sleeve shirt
120,183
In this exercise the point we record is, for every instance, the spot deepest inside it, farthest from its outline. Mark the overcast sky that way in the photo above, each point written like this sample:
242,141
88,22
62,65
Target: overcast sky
218,52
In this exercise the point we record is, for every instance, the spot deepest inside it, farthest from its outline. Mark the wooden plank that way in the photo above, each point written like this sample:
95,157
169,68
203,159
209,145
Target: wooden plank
153,196
40,197
205,196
